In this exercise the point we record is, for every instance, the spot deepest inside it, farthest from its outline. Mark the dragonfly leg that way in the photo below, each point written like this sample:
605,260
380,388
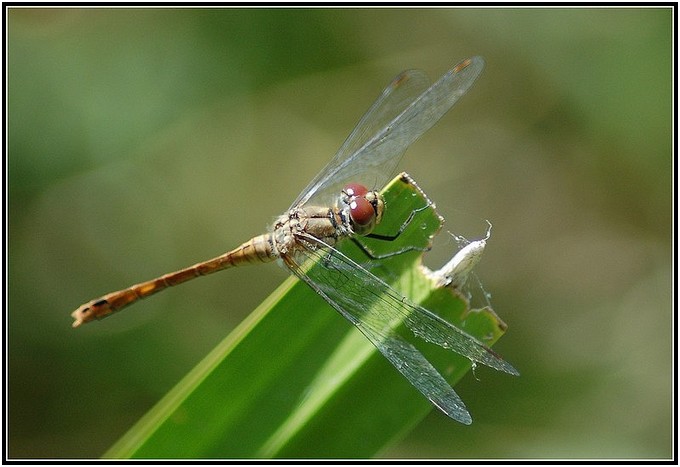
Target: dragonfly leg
403,226
389,238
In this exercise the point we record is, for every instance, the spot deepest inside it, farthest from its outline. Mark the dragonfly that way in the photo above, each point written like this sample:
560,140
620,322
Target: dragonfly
337,205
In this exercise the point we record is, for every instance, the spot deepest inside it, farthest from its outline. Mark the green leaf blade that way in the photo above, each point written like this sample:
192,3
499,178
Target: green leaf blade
296,380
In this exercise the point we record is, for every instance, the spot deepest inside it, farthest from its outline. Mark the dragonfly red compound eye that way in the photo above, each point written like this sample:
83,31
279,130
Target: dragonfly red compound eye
355,189
361,211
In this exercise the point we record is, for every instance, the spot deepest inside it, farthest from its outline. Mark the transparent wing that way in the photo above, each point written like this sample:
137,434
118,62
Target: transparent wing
377,310
394,99
405,110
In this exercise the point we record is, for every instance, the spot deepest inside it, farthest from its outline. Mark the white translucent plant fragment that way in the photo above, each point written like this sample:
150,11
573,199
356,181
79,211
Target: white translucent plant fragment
455,273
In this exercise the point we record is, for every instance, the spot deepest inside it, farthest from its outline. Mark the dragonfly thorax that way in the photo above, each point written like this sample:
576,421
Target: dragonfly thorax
308,227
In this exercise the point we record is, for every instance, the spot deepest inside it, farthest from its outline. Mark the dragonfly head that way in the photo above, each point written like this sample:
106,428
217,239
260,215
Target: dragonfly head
365,208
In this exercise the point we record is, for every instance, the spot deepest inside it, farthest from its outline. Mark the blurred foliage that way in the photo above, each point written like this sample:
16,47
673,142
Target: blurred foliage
143,140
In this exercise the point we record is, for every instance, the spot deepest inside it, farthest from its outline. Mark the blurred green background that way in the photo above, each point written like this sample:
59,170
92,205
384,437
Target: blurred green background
144,140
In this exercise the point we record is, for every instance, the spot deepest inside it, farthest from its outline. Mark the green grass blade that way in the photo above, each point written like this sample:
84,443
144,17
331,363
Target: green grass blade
296,380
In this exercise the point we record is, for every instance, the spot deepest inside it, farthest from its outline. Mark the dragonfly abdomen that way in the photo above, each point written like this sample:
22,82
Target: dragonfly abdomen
256,250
